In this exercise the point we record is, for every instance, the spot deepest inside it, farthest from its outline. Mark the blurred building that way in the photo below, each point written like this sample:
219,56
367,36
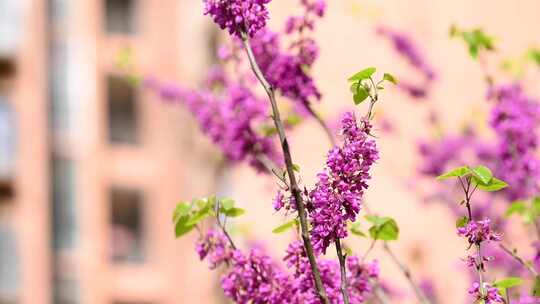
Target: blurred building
90,165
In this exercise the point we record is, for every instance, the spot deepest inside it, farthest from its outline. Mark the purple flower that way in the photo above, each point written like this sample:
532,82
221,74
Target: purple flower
340,187
488,293
214,247
238,15
527,300
255,278
437,155
404,45
360,276
287,71
477,232
230,116
515,119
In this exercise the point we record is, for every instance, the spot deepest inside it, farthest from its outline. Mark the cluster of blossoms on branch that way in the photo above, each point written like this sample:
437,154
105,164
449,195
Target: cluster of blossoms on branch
515,120
512,154
230,111
238,16
254,277
231,114
337,196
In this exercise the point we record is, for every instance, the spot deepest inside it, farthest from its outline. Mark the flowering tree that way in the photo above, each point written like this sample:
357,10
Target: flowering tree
231,112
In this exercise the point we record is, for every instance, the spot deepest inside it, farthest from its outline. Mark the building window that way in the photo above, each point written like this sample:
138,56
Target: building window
7,148
65,226
126,226
122,111
9,265
120,16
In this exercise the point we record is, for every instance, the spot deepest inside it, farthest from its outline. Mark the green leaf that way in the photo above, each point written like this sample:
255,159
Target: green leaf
348,251
363,74
508,282
296,168
536,206
181,228
182,209
282,228
181,217
462,222
483,173
517,207
200,215
226,203
384,228
360,95
293,120
476,40
234,212
355,229
457,172
389,77
534,54
268,130
494,185
536,287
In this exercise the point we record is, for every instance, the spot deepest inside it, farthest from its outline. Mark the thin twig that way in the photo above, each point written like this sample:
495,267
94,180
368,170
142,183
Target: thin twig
344,285
406,271
401,266
520,260
323,124
222,226
294,189
380,294
371,246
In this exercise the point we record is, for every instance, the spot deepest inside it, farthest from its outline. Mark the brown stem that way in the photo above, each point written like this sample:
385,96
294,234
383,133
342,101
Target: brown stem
295,190
380,295
344,284
323,124
402,267
407,273
520,260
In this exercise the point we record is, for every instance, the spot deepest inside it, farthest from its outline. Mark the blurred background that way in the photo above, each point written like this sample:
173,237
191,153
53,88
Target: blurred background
91,167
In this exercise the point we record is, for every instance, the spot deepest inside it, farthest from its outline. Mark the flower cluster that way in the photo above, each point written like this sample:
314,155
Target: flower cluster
307,47
287,71
515,118
230,117
338,193
214,247
491,296
360,277
477,232
255,278
405,46
436,156
238,16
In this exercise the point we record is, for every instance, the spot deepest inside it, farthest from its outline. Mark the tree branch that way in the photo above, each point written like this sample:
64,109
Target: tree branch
520,260
344,285
407,273
323,124
294,189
